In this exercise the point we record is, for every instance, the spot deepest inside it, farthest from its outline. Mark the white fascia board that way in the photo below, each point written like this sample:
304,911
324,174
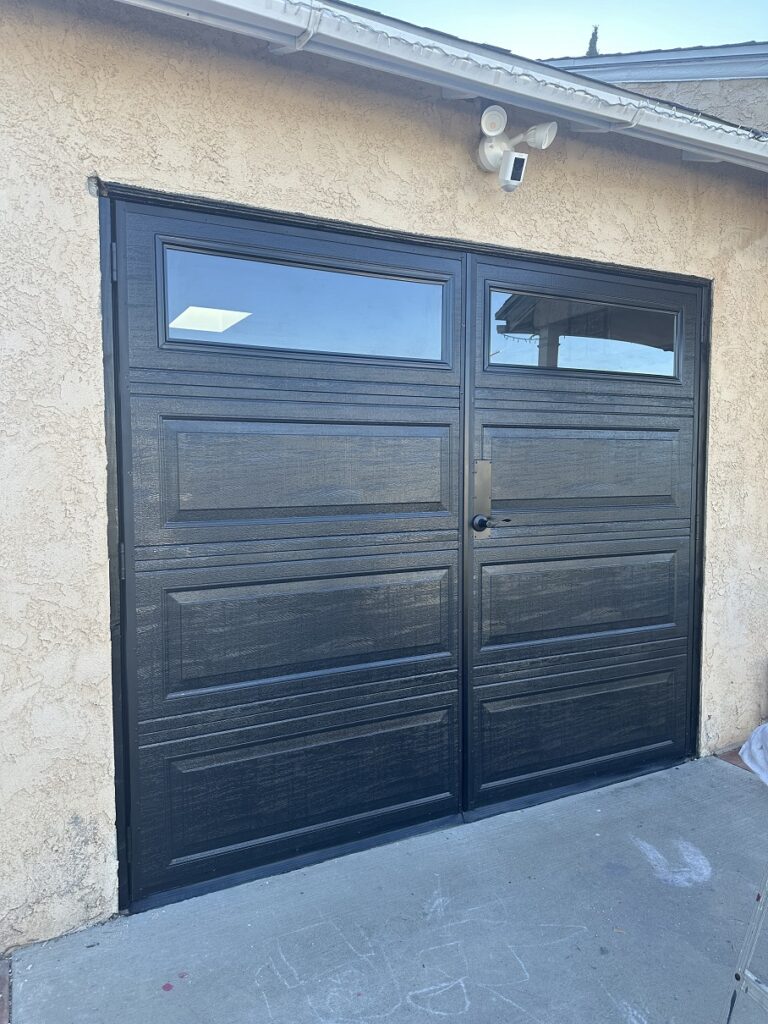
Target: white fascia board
699,63
377,42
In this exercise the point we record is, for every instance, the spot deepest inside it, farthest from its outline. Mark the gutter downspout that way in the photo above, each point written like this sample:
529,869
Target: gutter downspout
313,24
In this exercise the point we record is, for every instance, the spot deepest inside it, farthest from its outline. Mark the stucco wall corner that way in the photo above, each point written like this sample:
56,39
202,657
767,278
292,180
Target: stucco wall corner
734,689
57,835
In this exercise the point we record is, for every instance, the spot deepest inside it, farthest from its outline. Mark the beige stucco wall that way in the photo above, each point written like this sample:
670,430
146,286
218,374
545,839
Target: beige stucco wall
164,104
742,100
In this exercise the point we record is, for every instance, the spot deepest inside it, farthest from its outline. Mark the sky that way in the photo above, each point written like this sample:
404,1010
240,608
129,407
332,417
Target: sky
561,28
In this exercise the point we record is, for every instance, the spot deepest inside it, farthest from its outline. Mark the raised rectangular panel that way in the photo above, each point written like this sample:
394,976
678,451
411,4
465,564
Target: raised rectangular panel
239,469
536,732
537,600
558,468
261,792
251,632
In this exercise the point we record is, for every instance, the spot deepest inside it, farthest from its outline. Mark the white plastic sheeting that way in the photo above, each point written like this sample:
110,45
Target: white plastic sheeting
754,753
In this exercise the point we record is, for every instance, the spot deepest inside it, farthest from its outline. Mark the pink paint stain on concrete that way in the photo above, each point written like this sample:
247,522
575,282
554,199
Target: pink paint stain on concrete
167,986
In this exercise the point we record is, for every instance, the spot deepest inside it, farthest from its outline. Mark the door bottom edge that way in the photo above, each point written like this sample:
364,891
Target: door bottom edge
191,890
601,781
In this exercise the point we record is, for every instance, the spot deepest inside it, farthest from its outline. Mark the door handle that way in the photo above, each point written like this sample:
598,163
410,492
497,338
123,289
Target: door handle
481,519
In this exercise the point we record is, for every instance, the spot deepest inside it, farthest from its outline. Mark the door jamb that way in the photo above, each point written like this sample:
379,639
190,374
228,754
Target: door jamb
701,447
114,543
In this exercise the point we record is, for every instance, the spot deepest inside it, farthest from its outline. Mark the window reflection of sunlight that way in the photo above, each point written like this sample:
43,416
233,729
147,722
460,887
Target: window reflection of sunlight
206,318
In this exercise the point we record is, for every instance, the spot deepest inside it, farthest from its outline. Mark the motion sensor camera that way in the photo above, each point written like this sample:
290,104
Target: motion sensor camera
512,170
497,152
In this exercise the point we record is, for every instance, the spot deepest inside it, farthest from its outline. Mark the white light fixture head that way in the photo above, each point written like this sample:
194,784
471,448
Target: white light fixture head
493,121
495,144
541,136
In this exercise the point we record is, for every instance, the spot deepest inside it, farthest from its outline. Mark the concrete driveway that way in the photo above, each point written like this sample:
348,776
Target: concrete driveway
626,905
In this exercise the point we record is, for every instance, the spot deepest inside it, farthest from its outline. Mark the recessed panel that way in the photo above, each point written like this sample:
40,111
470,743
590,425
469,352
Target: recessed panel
249,632
561,468
238,470
258,793
544,600
537,732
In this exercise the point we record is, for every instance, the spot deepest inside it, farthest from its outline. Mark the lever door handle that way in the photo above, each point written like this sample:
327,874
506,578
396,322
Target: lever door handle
481,519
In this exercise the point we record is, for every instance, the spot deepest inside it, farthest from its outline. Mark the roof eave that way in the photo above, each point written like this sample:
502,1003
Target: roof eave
395,48
695,63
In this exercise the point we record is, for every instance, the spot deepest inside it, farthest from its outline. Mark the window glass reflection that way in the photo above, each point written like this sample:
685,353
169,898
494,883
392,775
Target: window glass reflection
229,300
545,331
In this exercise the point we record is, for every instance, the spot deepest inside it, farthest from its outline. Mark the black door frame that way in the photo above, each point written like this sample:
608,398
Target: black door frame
111,193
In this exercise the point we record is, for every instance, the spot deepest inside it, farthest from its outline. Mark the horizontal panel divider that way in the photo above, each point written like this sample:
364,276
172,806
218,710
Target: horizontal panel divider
526,683
587,657
326,720
278,400
274,381
170,730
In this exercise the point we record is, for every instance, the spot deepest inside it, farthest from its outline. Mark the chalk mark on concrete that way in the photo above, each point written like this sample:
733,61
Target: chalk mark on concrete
319,973
440,1000
437,903
630,1014
694,868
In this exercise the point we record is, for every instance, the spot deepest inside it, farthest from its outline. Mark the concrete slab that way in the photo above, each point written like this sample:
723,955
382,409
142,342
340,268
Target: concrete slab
626,905
5,991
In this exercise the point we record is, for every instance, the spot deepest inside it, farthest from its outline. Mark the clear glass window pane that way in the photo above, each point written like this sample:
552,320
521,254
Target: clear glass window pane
546,331
229,300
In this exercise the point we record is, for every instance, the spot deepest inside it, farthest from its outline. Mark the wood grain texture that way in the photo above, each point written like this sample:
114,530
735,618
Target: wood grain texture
580,596
318,649
292,557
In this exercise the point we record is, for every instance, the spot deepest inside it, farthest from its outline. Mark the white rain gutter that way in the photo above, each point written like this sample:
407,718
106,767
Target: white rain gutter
375,41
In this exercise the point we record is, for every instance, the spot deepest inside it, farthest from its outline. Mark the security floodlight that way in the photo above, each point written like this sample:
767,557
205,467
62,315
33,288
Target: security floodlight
495,147
493,121
541,136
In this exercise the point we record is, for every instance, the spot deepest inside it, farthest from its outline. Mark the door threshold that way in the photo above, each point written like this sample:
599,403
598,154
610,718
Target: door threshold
282,867
571,789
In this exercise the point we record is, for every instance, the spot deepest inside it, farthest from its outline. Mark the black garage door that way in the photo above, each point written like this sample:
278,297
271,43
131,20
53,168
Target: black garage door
408,534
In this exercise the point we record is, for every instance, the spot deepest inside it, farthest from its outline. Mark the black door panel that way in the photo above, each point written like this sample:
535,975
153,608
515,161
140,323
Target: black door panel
556,467
215,469
533,735
225,801
318,649
150,232
221,635
580,591
292,541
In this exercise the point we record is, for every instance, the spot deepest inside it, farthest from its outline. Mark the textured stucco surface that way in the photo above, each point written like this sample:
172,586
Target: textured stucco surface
93,87
743,100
